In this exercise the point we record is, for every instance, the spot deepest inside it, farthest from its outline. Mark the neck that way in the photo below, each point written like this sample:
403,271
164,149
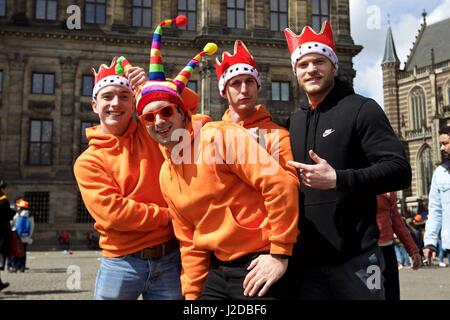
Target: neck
314,100
237,117
114,130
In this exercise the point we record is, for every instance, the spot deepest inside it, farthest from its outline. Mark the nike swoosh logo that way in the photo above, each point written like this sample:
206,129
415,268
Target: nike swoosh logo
327,132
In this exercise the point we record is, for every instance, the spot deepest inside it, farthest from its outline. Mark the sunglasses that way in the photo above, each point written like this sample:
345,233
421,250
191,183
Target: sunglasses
165,112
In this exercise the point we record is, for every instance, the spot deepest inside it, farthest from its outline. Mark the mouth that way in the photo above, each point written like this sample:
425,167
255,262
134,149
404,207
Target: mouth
114,113
313,80
163,132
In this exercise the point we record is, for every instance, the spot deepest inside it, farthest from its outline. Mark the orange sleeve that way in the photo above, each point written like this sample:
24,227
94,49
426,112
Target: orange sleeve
282,144
109,207
195,263
279,189
400,229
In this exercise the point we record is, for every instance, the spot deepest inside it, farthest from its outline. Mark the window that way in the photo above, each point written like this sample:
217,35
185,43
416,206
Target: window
40,143
188,8
46,9
236,14
84,143
95,11
2,8
88,85
418,108
278,15
39,204
142,13
320,13
1,81
448,94
426,170
192,85
43,83
83,215
280,91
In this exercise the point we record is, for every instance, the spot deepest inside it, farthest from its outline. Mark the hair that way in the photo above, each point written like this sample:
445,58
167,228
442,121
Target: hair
445,130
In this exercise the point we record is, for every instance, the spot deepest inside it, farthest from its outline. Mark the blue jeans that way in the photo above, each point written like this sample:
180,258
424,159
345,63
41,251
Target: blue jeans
127,277
402,255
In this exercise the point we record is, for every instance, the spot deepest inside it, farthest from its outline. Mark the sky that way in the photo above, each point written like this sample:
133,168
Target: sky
368,24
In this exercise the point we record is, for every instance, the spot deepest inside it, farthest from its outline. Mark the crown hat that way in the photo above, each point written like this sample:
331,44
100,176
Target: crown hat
241,62
111,76
160,88
311,42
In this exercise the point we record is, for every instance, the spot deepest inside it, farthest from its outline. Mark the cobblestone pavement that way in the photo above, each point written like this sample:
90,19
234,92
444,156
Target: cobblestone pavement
54,275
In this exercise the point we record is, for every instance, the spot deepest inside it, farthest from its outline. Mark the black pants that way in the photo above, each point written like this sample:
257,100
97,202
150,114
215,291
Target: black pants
225,281
359,278
390,274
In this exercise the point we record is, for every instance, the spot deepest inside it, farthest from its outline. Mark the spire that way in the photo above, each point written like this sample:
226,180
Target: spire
390,55
424,16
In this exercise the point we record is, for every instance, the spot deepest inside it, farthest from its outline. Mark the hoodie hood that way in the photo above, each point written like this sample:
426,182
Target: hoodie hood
260,116
100,140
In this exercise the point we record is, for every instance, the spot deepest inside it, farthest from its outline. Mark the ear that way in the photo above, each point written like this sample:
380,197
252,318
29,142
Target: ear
94,105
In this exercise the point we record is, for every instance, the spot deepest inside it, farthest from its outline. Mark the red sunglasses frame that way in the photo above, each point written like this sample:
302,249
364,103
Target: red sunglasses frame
166,112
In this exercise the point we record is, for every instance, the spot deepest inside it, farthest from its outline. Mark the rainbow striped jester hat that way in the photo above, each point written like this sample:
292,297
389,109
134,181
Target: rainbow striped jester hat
160,88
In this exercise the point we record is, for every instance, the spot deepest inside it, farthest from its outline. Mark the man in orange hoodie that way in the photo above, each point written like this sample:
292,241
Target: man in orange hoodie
118,179
236,222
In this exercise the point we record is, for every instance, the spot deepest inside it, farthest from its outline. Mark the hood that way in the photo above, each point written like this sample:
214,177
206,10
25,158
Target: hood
261,115
102,140
340,90
195,118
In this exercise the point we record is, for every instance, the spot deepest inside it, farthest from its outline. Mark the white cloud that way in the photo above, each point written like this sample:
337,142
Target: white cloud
405,26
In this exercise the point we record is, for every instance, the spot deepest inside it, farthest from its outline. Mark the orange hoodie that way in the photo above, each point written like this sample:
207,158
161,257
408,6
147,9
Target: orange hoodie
230,209
118,177
262,119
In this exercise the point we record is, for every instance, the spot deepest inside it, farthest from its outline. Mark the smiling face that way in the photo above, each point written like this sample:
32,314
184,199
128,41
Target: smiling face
241,93
114,106
315,75
161,122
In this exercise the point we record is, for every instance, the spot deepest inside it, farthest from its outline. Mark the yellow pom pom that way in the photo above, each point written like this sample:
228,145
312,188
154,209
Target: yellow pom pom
210,48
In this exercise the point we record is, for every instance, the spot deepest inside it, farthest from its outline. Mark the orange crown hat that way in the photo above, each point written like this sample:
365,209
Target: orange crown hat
311,42
241,62
111,76
160,88
22,204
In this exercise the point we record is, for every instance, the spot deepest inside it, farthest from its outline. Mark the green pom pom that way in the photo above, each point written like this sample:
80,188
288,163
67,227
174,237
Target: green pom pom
119,69
210,48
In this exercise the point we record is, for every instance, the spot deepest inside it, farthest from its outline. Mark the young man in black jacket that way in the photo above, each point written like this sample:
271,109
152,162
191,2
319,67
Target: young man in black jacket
346,153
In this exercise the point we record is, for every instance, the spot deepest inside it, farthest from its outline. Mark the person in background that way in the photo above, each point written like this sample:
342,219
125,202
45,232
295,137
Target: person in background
6,215
389,222
23,225
438,222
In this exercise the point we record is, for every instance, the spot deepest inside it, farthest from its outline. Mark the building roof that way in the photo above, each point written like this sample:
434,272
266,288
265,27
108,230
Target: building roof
390,55
434,36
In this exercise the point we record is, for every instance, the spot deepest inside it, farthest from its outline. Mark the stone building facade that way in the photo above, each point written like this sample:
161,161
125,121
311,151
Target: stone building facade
47,50
417,102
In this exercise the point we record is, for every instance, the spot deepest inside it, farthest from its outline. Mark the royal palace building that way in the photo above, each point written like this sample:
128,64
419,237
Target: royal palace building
47,51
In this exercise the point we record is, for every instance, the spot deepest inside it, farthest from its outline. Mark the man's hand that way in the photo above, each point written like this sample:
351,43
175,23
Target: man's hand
317,176
427,253
416,258
265,271
136,76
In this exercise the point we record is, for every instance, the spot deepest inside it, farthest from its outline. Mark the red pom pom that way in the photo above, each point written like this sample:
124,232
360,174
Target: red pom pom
181,21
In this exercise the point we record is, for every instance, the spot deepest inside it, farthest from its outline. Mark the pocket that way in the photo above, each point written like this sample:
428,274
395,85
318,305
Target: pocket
445,192
228,236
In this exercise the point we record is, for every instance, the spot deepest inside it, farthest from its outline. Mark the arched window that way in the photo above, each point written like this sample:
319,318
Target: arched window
447,93
426,170
418,108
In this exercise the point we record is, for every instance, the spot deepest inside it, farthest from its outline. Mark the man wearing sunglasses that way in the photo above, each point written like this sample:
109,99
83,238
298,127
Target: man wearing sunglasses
118,178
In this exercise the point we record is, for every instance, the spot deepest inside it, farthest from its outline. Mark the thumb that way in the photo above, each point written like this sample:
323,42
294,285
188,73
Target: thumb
314,157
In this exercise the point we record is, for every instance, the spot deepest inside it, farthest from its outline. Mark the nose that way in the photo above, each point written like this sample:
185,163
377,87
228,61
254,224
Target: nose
159,119
311,67
442,147
243,87
115,101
